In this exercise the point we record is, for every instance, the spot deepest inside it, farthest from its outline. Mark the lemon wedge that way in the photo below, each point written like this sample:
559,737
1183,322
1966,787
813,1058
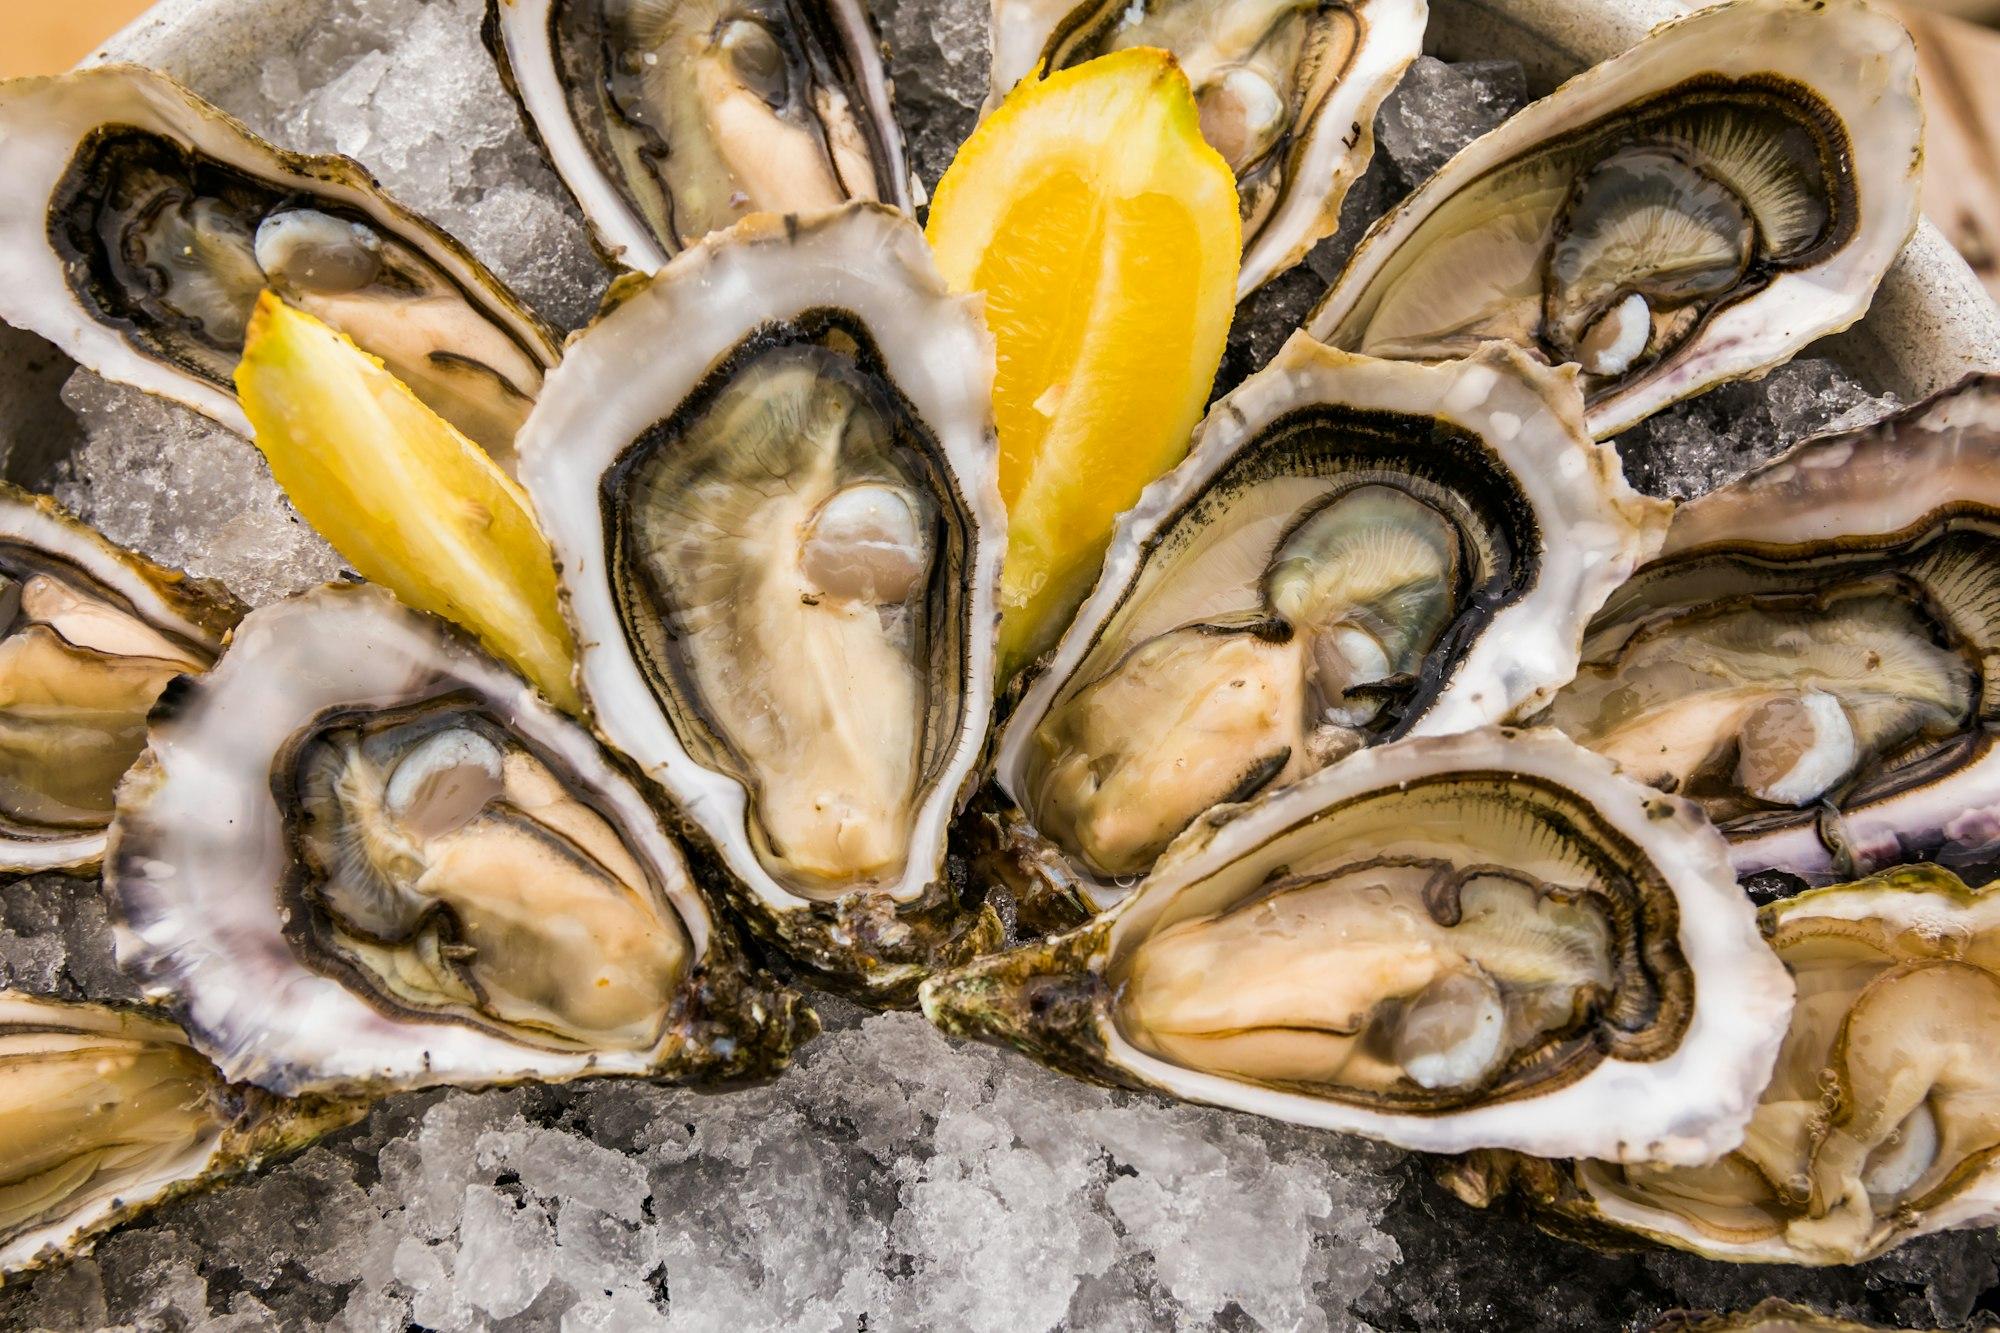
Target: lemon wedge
405,498
1104,233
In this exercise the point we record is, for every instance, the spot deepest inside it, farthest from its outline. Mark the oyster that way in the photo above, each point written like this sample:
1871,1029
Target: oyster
89,636
1482,939
769,477
1288,91
1882,1120
1355,550
669,119
1810,657
1767,1316
447,881
139,225
110,1111
1695,210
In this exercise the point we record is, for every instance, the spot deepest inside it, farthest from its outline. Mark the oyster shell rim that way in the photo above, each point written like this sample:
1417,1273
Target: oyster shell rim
1459,390
202,611
1737,1020
35,296
287,1059
1600,88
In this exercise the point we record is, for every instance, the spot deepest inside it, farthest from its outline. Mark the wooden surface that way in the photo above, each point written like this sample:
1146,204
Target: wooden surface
1961,73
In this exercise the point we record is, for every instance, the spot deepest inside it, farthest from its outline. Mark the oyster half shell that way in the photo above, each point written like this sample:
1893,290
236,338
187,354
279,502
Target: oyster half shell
90,634
1354,551
445,880
1882,1120
1288,91
140,224
110,1111
770,479
1484,939
669,119
1694,210
1811,656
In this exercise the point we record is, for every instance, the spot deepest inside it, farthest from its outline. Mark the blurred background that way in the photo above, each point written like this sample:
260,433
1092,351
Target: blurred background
1959,41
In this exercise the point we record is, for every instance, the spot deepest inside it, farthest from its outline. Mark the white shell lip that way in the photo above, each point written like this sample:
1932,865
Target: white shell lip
1686,1108
1896,476
1910,907
520,33
37,522
1337,149
863,258
101,1206
212,946
44,121
1858,60
1599,529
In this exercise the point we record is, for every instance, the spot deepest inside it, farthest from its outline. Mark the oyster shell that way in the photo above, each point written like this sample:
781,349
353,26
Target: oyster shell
109,1112
90,636
1482,939
1880,1121
1288,91
447,881
669,119
1694,210
780,548
1767,1316
1354,550
1810,656
139,225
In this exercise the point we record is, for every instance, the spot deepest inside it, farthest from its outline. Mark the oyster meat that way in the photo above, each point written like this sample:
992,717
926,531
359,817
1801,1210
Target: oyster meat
1694,210
139,225
1811,655
1882,1120
669,119
89,636
1288,91
110,1111
769,476
1487,939
1354,551
447,881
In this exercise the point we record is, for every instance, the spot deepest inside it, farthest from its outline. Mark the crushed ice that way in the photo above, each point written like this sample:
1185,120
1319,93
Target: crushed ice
892,1180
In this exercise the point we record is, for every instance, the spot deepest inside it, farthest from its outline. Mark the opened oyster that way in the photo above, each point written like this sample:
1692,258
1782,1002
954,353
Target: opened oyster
89,636
1882,1120
1287,88
139,225
1810,657
1767,1316
110,1111
445,880
1482,939
1695,210
1354,551
669,119
769,477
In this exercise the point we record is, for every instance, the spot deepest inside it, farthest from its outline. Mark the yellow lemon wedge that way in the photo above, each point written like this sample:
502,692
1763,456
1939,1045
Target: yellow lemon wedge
1104,233
405,498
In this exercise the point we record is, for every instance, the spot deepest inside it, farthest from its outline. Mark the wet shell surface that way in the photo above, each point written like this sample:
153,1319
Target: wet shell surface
1812,655
1882,1120
359,855
669,119
140,224
1692,211
91,634
110,1111
1288,92
1354,551
769,477
1482,940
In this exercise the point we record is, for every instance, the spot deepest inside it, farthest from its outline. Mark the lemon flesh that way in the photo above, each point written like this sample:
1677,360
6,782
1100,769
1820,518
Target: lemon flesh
1104,233
405,498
